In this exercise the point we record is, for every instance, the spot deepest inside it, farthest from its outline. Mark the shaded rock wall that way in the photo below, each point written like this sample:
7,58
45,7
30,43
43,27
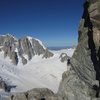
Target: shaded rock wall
82,81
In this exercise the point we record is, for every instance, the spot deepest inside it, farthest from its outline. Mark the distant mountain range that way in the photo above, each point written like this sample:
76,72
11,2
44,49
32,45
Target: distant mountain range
22,49
59,47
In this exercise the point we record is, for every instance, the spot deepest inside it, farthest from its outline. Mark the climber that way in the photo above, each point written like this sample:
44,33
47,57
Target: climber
68,61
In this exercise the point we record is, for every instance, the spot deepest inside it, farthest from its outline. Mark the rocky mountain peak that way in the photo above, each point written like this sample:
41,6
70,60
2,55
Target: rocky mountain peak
24,48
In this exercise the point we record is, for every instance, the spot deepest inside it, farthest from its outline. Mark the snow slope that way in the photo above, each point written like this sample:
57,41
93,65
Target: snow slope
30,39
37,73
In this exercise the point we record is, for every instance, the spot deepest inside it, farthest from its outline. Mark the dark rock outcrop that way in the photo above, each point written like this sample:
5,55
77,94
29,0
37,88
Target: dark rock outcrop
14,58
2,84
24,61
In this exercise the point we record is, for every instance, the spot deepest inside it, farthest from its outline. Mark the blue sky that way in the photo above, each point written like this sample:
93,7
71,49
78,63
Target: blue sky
55,22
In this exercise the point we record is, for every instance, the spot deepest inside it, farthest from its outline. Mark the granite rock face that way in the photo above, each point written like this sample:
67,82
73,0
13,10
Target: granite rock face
8,46
24,48
81,82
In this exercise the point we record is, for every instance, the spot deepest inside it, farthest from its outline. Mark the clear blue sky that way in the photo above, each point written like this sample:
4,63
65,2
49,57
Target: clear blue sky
55,22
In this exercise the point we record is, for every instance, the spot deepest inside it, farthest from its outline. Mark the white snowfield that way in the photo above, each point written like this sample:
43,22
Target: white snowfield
37,73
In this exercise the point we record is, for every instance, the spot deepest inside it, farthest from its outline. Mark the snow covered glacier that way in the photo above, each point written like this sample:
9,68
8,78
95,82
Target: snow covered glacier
38,72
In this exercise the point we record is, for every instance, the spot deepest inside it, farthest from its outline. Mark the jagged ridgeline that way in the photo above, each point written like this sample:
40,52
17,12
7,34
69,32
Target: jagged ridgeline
24,48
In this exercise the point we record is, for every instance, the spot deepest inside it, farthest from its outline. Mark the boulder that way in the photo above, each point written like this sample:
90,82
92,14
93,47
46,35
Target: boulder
39,93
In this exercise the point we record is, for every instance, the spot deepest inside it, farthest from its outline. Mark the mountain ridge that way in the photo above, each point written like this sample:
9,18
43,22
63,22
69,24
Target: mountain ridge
25,48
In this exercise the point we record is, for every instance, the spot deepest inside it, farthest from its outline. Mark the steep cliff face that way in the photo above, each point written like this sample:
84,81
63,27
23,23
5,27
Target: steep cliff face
83,80
24,48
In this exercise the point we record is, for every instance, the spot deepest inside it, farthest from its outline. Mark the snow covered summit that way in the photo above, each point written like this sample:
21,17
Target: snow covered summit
22,49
